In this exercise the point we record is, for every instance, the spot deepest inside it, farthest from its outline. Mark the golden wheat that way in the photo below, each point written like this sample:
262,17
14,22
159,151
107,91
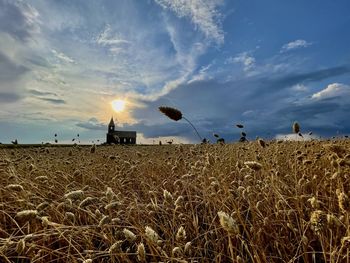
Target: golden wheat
285,202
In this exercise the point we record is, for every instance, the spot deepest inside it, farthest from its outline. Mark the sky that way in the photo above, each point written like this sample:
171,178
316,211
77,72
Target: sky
265,64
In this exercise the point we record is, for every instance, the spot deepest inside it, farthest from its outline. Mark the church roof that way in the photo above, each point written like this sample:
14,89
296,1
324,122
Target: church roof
111,123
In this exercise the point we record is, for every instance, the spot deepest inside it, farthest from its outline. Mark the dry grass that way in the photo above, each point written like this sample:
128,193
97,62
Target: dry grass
285,202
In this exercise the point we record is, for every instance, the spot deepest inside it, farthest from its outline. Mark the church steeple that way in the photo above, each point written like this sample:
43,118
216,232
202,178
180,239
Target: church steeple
111,126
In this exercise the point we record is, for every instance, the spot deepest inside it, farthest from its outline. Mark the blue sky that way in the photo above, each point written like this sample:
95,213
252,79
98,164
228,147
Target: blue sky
262,63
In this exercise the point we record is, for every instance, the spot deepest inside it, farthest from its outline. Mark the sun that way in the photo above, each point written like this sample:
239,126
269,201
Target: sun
118,105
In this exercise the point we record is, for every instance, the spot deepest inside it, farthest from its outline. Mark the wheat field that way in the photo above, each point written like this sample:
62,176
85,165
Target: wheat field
258,201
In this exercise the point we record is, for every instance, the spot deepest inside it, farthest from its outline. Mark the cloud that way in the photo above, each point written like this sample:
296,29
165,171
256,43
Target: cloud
106,38
300,43
323,117
203,13
282,81
11,75
9,70
9,97
244,58
41,93
53,101
38,60
331,91
115,43
62,57
202,74
92,124
187,48
308,110
227,102
300,88
19,19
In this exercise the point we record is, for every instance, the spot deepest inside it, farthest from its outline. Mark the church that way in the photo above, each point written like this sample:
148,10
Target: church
120,137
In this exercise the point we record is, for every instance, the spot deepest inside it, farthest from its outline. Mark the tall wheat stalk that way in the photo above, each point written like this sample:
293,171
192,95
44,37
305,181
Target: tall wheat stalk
176,115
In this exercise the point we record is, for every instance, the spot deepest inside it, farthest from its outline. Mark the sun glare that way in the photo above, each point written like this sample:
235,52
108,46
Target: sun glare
118,105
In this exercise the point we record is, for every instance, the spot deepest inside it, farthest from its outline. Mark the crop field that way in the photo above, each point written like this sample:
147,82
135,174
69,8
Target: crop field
256,201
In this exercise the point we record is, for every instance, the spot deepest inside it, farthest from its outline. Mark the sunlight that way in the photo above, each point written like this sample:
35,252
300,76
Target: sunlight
118,105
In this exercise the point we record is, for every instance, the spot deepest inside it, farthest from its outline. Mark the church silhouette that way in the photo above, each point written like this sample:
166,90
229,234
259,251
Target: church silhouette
120,137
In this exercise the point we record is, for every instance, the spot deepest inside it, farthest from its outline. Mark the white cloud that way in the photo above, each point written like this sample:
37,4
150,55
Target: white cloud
187,51
202,74
61,56
332,90
299,43
245,59
19,19
32,16
249,113
203,14
106,38
114,42
300,88
116,50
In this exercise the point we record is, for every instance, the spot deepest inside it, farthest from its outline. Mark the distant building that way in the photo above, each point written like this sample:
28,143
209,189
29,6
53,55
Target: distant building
120,137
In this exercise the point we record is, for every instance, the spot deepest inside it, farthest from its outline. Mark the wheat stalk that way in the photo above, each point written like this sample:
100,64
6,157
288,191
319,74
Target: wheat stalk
176,115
